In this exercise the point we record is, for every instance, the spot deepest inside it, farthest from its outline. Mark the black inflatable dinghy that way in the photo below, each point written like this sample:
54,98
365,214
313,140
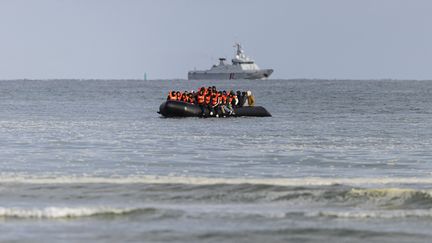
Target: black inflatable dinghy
182,109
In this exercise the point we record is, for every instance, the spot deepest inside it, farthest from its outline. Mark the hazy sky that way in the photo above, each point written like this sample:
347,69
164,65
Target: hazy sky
118,39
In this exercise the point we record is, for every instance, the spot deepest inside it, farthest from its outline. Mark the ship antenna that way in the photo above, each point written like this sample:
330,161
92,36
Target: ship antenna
239,49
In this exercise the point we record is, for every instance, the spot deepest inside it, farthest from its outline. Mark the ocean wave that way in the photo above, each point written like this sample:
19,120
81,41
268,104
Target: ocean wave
383,198
153,179
392,193
83,212
374,214
384,194
74,212
392,198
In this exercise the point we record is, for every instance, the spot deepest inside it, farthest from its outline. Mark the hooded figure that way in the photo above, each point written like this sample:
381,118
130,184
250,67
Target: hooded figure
250,98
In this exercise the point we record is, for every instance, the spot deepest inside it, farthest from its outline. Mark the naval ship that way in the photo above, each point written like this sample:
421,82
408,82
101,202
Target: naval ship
242,67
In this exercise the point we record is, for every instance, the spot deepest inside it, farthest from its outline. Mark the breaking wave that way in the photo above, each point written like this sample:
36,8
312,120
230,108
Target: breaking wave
376,194
307,181
375,214
77,212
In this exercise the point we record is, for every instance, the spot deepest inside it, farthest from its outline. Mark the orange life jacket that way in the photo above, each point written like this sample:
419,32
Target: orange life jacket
215,100
191,100
172,97
224,99
230,99
207,99
200,98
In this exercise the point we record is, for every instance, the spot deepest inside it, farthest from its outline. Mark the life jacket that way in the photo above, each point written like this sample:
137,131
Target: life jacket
207,99
224,99
184,98
234,98
230,99
172,97
191,100
215,100
179,96
200,98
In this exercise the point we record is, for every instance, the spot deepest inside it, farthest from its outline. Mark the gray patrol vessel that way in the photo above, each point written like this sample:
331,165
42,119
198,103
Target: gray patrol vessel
242,67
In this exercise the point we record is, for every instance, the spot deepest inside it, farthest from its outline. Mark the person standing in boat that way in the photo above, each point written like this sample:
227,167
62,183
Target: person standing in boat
250,98
214,103
201,101
234,99
207,101
241,98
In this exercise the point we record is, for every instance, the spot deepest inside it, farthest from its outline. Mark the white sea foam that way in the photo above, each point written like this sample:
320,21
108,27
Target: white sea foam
374,214
387,192
61,212
150,179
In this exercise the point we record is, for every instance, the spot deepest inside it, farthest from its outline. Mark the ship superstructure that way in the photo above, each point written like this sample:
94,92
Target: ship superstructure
242,67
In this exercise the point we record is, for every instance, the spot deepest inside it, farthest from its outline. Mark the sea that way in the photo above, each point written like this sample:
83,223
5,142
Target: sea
338,161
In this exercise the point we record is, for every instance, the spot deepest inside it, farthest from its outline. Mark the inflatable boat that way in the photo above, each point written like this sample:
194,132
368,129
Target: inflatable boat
182,109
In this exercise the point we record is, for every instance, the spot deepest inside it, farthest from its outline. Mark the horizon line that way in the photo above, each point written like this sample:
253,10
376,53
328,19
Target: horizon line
182,79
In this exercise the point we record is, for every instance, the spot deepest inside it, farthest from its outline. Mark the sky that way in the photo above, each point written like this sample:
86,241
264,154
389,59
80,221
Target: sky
124,39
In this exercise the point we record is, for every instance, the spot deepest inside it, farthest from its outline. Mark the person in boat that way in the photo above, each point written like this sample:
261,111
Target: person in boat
214,103
207,101
178,94
244,93
233,99
250,98
218,109
241,97
229,103
222,104
191,98
208,90
172,95
195,94
184,97
201,100
225,107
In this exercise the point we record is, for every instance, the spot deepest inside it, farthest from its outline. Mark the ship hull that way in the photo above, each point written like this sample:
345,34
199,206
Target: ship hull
256,74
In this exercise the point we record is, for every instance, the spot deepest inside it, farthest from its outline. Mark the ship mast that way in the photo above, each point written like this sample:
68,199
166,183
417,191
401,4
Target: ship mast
239,49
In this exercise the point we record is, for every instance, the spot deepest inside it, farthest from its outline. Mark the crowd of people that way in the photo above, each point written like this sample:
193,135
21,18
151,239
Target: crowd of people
219,103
